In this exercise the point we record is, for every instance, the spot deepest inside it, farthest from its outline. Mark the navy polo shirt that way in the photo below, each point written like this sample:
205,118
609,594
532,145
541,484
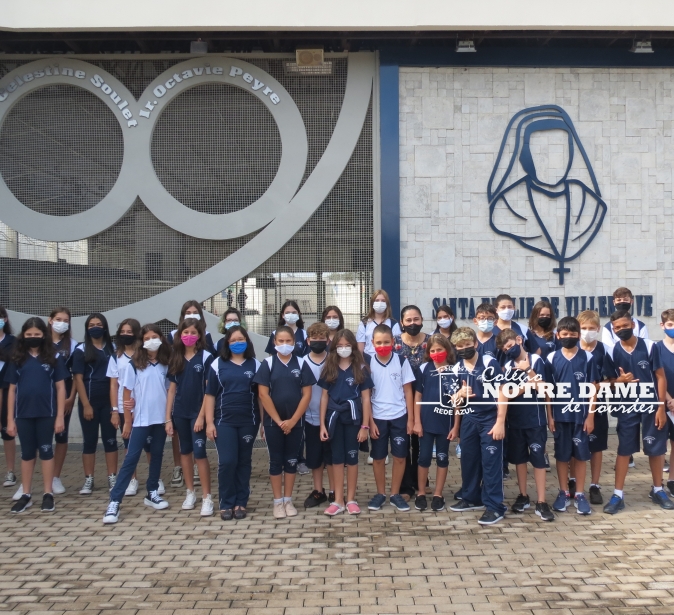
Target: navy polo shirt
642,362
488,348
6,345
436,414
483,405
301,347
667,361
580,368
96,383
234,391
526,412
68,361
536,342
191,385
345,387
35,386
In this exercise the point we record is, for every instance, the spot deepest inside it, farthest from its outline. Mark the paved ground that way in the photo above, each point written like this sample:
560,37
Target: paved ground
384,562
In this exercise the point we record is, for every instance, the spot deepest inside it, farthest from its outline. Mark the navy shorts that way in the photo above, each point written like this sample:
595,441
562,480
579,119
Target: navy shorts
318,453
36,435
571,441
426,450
599,436
633,427
527,445
190,441
283,449
344,444
394,431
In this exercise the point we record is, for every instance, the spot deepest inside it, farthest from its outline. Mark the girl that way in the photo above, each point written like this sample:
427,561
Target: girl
9,444
231,318
446,321
332,316
290,317
380,313
188,373
433,426
37,397
90,365
146,380
285,382
345,415
232,418
542,327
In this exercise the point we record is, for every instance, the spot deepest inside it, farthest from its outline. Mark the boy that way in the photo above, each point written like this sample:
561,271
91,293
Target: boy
485,317
318,452
527,425
392,415
571,415
623,300
636,362
482,429
505,309
666,349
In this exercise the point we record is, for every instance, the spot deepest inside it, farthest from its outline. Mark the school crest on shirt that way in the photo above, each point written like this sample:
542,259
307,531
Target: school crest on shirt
579,375
296,373
198,367
350,381
249,374
644,364
46,367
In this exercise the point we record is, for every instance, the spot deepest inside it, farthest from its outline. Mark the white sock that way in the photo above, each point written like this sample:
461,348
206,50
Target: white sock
656,489
595,485
618,492
286,500
279,501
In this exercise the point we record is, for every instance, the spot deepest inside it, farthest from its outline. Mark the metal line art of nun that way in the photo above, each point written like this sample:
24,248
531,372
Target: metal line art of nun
556,216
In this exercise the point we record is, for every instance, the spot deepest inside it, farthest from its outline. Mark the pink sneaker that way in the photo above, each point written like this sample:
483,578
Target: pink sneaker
353,508
333,509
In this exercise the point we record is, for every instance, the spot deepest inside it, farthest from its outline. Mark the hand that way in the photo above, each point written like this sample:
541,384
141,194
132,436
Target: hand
588,427
524,365
211,431
661,418
59,425
126,432
88,412
324,434
551,424
287,426
199,424
670,404
374,432
410,428
262,432
129,404
11,430
69,406
418,429
498,431
362,435
465,391
453,434
114,419
168,426
626,377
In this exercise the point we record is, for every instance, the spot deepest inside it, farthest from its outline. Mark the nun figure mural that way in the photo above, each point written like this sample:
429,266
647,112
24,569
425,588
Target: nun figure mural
543,192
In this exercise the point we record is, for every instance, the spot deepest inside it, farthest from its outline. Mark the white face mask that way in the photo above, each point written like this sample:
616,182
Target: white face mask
284,349
291,318
444,323
152,344
344,352
332,323
60,327
588,336
506,315
195,316
485,325
379,307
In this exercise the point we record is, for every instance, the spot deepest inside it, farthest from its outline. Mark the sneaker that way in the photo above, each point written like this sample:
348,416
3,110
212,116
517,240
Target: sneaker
562,501
670,486
506,476
377,502
227,515
279,510
457,495
112,513
434,454
240,513
458,451
333,509
615,505
665,470
631,464
316,498
177,479
190,500
302,469
291,511
544,512
195,476
463,506
10,479
489,517
57,486
438,503
47,503
18,493
88,486
397,501
161,490
421,503
661,498
370,461
572,488
582,505
112,480
152,499
521,503
595,495
23,503
386,460
352,508
547,463
207,506
132,489
331,496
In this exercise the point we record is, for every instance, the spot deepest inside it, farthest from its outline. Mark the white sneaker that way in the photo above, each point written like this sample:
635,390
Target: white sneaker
112,513
19,492
112,480
153,500
88,486
10,479
197,480
207,506
387,460
190,500
177,479
370,461
303,469
132,489
57,487
161,490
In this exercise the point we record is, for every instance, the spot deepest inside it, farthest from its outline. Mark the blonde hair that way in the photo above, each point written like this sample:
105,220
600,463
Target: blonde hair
372,314
590,317
463,334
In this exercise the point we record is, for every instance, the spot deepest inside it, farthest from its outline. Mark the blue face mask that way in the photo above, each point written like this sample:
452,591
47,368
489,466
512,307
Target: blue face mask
669,332
238,347
2,323
229,325
513,352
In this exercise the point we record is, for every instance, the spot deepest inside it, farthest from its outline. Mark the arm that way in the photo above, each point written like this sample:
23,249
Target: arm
301,409
456,428
361,347
87,410
11,404
418,429
59,425
324,411
409,402
70,401
114,400
498,430
170,399
267,404
208,408
366,396
128,420
661,383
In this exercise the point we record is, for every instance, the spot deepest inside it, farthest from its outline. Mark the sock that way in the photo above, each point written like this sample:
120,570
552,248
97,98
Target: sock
579,493
285,500
568,495
618,492
571,478
52,495
595,485
279,501
656,489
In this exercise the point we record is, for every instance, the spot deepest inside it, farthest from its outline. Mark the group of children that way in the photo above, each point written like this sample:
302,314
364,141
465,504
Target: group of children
324,394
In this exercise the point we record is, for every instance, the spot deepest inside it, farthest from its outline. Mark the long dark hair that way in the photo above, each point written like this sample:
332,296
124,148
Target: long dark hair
65,337
226,353
333,308
177,361
7,329
89,348
135,331
46,350
290,303
188,304
331,367
447,310
549,332
141,359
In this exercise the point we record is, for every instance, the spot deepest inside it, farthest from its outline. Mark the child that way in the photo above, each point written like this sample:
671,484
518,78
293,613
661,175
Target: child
290,317
445,321
623,300
147,381
9,443
36,406
284,382
636,360
90,365
481,427
527,425
433,417
571,422
231,318
345,416
318,452
379,314
334,319
666,350
505,309
392,415
541,333
188,373
485,317
232,414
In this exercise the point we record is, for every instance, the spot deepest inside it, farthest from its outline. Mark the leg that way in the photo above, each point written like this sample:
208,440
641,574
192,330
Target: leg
227,445
61,448
90,440
28,436
339,458
314,454
400,443
45,437
351,456
379,470
425,457
397,474
471,469
540,475
595,466
175,445
492,470
182,434
291,443
581,469
442,463
9,442
246,440
621,467
378,452
275,443
109,437
351,482
158,435
27,469
136,443
628,443
338,475
521,469
201,458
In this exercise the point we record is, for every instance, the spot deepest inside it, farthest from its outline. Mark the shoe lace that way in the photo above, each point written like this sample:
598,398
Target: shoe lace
615,499
88,481
661,494
113,507
154,496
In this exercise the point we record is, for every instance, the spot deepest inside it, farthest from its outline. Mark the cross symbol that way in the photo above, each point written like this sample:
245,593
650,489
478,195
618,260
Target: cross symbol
561,271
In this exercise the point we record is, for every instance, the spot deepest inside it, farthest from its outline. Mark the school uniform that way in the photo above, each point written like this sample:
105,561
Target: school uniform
481,455
642,362
366,330
209,341
301,347
489,348
437,414
285,382
62,438
319,453
117,366
35,408
6,347
344,415
599,436
97,386
236,418
190,389
527,422
609,338
389,408
536,342
667,362
149,388
570,438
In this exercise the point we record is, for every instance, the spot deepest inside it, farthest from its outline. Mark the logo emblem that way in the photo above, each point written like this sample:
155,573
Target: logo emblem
399,440
353,454
592,437
535,447
577,441
350,381
292,462
649,439
112,441
198,367
296,373
46,447
46,367
579,375
248,438
200,443
644,364
441,456
492,449
249,374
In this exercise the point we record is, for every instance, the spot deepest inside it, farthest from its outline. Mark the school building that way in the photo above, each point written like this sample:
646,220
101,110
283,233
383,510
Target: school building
242,155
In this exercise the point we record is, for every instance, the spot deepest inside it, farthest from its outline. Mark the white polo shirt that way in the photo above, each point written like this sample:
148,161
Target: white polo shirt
364,333
388,395
149,387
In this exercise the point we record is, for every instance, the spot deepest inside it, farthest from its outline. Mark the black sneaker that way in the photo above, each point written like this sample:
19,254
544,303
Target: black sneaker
490,517
316,498
331,496
521,503
438,503
631,464
48,503
544,511
506,476
661,499
547,463
595,495
421,503
670,486
463,506
572,488
22,504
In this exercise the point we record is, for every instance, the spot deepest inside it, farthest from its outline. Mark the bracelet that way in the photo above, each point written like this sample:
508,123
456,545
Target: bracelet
167,422
365,427
115,408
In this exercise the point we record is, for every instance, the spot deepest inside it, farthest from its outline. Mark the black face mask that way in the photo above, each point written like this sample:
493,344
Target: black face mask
318,347
544,322
569,342
125,340
624,334
466,353
623,305
412,330
96,332
33,342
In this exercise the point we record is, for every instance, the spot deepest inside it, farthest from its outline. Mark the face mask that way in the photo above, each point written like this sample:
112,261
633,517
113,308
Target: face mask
412,330
152,345
379,307
345,351
33,342
466,353
438,357
60,327
2,323
238,347
544,322
588,336
189,339
444,323
318,347
513,352
568,342
506,315
291,319
96,332
284,349
485,325
126,340
669,332
332,323
383,351
623,305
195,316
229,325
625,334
